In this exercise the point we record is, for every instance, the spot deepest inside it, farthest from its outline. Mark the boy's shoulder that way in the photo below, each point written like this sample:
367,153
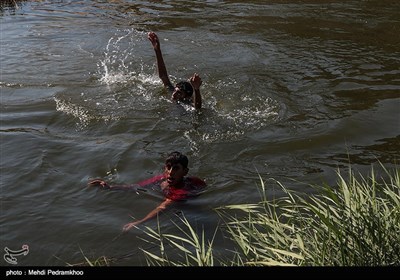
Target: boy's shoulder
196,182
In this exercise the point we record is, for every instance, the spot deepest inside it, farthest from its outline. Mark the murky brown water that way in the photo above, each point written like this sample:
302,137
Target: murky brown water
291,90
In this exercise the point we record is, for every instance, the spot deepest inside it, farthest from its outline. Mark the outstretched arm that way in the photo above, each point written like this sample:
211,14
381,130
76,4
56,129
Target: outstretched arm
196,82
162,70
104,185
149,216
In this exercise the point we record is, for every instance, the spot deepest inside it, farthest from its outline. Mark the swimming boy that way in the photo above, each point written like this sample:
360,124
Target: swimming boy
174,184
186,92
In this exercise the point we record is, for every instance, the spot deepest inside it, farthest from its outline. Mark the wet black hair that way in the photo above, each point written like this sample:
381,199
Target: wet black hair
186,87
177,157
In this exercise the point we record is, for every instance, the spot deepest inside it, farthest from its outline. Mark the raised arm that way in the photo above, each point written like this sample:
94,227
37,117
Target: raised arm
196,82
162,70
149,216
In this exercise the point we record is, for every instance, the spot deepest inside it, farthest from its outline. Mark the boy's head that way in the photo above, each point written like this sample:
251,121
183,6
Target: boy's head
183,90
175,169
177,158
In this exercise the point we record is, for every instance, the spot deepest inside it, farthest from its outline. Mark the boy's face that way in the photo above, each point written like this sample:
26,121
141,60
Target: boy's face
174,173
178,94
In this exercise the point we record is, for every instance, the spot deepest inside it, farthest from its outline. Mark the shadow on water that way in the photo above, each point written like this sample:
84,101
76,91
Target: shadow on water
10,6
385,150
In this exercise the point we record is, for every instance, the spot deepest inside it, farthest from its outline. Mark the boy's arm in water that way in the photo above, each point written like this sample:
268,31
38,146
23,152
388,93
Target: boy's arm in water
149,216
104,185
135,187
128,187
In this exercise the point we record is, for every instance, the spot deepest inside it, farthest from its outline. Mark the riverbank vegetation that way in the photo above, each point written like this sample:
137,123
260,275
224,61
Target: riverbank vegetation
356,223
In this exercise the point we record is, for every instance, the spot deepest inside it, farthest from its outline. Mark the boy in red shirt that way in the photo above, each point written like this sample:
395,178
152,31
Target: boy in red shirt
174,184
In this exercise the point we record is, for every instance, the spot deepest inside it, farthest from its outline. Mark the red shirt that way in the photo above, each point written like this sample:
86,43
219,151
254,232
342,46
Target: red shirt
192,187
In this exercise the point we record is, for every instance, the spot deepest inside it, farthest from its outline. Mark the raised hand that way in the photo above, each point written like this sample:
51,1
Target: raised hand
99,183
196,81
154,40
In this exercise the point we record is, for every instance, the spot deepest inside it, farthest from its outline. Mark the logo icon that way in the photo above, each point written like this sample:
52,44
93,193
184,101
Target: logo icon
9,256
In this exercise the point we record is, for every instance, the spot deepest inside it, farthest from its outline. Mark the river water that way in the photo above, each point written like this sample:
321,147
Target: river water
292,90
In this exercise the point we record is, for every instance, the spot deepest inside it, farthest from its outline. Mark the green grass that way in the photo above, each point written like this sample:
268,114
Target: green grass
356,223
194,250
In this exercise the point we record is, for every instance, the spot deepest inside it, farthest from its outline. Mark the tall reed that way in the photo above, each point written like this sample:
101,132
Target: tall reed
356,223
193,250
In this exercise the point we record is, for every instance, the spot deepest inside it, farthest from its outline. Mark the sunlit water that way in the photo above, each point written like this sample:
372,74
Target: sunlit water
292,90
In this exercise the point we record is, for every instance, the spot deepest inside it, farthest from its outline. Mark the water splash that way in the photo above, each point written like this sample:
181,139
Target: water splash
123,62
127,81
86,107
75,110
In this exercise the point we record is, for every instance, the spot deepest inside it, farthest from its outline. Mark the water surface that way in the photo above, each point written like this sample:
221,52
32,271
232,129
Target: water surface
292,90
